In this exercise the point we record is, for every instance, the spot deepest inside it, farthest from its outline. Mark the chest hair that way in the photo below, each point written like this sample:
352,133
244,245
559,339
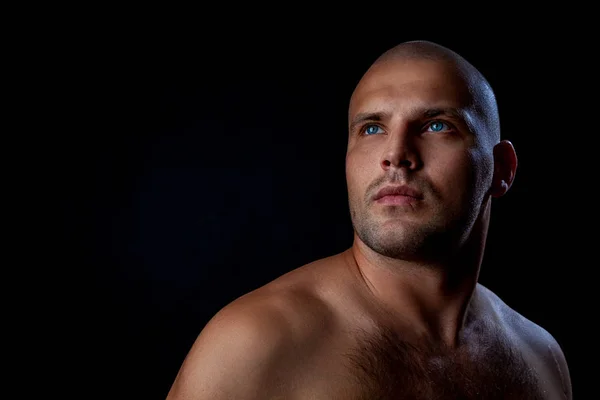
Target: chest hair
385,367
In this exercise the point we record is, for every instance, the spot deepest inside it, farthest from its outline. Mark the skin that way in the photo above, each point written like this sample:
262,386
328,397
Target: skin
427,252
423,117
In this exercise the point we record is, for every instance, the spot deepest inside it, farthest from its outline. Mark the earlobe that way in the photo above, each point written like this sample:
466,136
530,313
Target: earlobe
505,167
499,187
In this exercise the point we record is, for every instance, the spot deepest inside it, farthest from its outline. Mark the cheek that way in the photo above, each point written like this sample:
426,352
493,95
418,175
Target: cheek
452,174
353,182
356,169
363,156
354,166
461,175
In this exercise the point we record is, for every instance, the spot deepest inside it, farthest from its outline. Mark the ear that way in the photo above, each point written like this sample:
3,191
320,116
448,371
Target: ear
505,167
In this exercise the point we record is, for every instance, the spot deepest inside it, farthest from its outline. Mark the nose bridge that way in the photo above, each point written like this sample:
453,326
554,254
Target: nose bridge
399,149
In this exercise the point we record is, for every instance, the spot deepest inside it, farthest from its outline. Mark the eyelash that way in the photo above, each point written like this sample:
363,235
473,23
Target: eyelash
450,127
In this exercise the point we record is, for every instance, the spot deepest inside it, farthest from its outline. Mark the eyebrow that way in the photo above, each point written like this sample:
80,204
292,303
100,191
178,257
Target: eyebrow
448,111
451,112
368,116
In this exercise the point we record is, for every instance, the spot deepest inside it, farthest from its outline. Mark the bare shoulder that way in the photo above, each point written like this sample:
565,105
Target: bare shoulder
536,340
248,349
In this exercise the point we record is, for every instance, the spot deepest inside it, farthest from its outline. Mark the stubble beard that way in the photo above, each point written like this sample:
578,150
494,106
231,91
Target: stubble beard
396,236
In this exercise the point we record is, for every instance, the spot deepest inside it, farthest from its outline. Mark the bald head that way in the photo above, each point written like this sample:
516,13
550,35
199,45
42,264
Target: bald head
420,49
482,98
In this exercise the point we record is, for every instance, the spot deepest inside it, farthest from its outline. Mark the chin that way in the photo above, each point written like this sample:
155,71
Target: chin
393,242
402,239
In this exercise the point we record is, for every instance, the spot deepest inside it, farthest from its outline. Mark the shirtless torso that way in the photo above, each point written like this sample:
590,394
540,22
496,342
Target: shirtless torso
400,314
314,333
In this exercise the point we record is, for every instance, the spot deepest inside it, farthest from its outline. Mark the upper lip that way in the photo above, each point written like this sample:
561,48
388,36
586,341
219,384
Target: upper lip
398,190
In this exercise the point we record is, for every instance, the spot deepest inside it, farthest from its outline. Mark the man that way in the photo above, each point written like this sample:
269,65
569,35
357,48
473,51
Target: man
399,315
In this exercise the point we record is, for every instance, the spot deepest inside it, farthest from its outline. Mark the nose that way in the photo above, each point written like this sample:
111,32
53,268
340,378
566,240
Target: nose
400,151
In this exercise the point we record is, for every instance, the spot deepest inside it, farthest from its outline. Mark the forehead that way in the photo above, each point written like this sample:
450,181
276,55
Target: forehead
411,84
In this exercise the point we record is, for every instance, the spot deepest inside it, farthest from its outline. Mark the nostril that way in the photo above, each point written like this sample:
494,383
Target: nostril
401,163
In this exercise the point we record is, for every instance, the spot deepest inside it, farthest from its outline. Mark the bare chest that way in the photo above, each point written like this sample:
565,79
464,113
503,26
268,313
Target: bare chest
385,368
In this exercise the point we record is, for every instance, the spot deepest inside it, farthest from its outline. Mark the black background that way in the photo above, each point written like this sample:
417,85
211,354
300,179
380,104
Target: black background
186,169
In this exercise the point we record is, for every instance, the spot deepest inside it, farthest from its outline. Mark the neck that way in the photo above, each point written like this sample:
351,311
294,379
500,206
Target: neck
432,301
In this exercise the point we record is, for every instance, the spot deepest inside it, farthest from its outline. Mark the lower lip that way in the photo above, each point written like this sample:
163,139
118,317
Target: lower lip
396,200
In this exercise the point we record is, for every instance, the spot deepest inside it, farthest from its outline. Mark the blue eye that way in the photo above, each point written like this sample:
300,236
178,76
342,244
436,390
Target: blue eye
371,129
438,126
